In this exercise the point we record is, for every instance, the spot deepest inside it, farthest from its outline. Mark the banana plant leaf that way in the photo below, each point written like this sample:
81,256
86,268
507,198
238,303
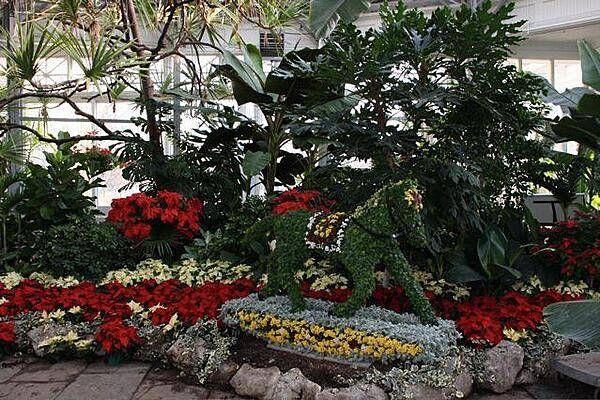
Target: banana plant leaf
576,320
325,14
590,64
254,162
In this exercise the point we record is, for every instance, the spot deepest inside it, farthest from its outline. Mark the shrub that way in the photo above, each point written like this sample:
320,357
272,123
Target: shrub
82,248
574,245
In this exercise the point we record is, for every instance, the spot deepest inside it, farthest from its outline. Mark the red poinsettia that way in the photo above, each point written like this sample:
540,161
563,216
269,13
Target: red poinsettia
140,216
308,200
574,244
114,336
7,332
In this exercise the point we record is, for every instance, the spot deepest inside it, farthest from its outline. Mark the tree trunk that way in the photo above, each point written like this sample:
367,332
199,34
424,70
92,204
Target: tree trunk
147,84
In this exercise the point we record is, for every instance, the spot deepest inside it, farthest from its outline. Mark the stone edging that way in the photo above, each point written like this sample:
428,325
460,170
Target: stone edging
271,384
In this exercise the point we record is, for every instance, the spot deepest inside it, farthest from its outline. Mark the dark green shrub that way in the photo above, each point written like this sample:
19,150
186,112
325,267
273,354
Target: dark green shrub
82,248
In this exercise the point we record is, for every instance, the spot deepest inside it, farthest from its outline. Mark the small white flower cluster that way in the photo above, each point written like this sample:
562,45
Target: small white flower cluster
70,339
48,280
11,279
535,285
441,286
328,247
189,272
321,275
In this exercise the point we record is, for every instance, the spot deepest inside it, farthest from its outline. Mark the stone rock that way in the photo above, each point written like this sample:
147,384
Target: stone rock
464,383
184,355
502,362
421,391
357,392
155,345
294,385
256,382
539,368
39,334
225,371
526,377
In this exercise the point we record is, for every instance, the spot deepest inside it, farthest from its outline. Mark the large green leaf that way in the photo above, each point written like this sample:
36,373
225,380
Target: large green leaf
246,81
590,104
337,105
254,162
576,320
491,249
325,14
253,58
568,98
590,64
460,271
582,130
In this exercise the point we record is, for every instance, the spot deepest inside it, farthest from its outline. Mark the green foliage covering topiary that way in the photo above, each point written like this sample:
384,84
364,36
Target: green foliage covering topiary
359,241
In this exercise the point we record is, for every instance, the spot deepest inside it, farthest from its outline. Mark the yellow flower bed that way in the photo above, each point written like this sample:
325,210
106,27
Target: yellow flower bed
337,342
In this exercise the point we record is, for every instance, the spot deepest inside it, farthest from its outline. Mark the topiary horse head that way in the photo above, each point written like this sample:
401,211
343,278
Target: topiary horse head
359,240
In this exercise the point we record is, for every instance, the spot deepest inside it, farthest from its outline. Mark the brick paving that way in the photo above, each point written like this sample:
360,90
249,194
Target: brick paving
35,379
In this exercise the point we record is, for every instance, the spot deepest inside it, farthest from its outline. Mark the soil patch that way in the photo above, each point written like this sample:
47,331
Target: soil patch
255,352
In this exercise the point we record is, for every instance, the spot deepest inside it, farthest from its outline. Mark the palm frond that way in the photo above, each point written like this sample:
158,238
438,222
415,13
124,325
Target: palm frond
27,50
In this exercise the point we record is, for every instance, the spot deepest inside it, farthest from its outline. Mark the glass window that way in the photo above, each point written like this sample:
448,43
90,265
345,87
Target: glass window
567,74
538,67
53,70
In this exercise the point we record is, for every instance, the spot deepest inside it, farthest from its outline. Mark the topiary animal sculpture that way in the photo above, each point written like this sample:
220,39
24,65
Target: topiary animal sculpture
359,241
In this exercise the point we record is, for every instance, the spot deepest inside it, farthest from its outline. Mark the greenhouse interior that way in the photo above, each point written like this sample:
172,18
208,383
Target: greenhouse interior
315,200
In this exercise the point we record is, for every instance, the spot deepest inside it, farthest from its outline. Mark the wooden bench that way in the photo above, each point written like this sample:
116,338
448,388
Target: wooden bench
584,367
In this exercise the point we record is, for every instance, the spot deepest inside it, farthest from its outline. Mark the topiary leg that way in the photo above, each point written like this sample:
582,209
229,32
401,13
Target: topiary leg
290,258
402,273
362,271
272,286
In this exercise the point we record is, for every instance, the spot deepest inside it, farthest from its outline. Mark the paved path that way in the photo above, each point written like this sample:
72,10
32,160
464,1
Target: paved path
77,380
35,379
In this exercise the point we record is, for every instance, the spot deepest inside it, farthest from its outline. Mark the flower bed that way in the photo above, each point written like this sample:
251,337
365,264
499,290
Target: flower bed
482,320
112,318
372,334
189,291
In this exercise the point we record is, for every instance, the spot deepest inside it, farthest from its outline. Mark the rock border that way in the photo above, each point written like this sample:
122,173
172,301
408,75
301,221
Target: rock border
502,365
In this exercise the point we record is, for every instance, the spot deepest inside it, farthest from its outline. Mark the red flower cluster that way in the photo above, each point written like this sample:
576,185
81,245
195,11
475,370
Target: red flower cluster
139,216
113,336
98,150
575,245
481,319
294,200
108,303
7,332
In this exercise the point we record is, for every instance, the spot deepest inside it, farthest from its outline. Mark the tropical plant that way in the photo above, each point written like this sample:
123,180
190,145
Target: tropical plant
207,165
563,175
576,320
325,15
289,89
583,123
54,193
117,44
438,103
225,244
